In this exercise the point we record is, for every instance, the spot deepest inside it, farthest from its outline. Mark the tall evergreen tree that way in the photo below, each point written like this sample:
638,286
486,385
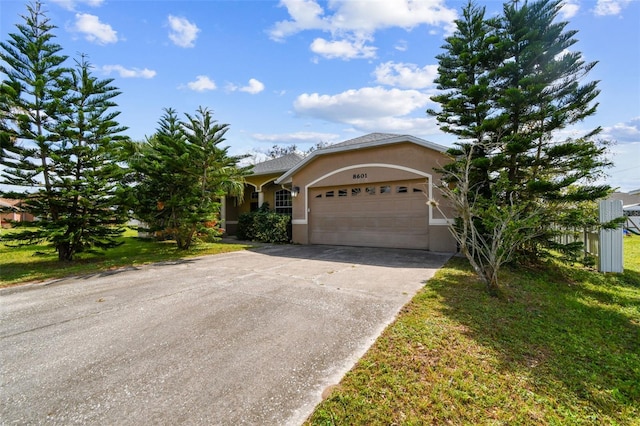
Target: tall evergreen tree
464,79
66,138
182,173
510,85
32,63
85,164
169,193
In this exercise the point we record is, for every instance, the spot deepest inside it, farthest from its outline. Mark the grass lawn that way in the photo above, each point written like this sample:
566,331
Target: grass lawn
37,263
562,347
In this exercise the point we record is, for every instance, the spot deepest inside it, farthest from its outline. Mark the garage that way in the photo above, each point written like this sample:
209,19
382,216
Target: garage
377,190
387,214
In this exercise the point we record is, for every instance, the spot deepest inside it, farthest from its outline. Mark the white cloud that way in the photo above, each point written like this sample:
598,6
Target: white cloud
296,137
610,7
403,125
624,172
408,76
370,109
353,23
128,72
361,16
71,4
343,49
305,14
201,84
569,9
254,87
401,46
182,32
624,132
94,30
623,152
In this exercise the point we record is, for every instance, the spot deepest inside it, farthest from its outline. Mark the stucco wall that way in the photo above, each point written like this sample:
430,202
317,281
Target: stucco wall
397,162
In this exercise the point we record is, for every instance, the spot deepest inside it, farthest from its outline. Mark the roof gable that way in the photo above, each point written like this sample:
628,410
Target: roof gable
367,141
277,165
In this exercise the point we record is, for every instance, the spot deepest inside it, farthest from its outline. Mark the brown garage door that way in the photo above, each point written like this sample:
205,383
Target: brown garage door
389,214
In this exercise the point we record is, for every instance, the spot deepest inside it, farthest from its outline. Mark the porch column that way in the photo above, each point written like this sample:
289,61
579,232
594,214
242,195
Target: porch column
260,198
223,209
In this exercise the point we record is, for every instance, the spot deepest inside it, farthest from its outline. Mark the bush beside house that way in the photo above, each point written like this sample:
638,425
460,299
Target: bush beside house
264,226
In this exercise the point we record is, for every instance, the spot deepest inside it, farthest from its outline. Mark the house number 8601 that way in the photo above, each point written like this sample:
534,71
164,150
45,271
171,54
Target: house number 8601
359,175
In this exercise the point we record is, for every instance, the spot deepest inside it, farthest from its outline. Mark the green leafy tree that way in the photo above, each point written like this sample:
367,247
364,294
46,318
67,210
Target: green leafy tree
182,172
65,141
508,87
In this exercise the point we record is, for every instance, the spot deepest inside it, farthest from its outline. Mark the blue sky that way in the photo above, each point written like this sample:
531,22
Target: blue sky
305,71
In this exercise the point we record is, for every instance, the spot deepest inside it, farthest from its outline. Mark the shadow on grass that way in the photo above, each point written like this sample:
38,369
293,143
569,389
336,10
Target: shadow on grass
578,340
43,264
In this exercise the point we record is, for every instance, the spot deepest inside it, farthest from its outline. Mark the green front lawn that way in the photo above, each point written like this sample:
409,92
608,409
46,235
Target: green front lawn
37,263
562,347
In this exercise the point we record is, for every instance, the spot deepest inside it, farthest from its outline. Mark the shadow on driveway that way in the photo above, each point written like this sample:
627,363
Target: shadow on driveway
384,257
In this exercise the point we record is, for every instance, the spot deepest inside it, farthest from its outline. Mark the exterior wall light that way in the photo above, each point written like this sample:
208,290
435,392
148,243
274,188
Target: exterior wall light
295,190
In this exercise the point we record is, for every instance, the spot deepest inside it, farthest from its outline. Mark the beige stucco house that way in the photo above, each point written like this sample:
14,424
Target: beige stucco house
372,191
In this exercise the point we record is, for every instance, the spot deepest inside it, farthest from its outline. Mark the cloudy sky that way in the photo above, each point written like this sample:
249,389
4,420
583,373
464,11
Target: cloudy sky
308,71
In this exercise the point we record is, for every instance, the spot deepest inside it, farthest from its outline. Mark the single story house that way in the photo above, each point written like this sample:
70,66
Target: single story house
377,190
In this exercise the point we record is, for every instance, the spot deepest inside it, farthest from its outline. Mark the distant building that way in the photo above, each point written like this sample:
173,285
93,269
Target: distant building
11,211
627,198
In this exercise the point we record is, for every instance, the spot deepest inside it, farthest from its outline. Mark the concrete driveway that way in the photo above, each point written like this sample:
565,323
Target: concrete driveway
250,337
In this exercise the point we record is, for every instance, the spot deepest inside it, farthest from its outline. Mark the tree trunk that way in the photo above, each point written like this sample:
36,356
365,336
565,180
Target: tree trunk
65,252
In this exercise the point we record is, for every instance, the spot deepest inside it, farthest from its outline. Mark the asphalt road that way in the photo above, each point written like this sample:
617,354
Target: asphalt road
250,337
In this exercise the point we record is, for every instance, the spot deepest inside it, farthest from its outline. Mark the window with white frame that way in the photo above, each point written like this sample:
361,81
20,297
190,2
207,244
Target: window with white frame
283,202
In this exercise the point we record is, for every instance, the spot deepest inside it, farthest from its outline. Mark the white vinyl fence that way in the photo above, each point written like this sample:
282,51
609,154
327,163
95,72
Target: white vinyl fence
605,244
610,253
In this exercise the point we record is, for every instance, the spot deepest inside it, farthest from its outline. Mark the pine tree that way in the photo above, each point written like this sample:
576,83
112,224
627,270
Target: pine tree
510,84
33,66
539,92
183,172
87,174
66,142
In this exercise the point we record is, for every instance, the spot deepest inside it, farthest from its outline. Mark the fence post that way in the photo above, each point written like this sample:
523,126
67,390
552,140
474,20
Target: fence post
610,250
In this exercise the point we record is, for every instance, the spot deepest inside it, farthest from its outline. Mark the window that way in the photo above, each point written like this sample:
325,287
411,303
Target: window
401,189
329,194
385,189
342,193
283,202
253,205
371,190
355,191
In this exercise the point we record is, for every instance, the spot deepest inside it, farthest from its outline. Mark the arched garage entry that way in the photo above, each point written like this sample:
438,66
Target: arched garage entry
375,190
389,213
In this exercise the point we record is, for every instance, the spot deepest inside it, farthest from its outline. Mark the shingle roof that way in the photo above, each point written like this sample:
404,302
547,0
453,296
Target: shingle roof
277,165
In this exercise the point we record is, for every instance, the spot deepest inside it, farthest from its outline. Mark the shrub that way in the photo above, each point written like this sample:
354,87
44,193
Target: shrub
263,225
